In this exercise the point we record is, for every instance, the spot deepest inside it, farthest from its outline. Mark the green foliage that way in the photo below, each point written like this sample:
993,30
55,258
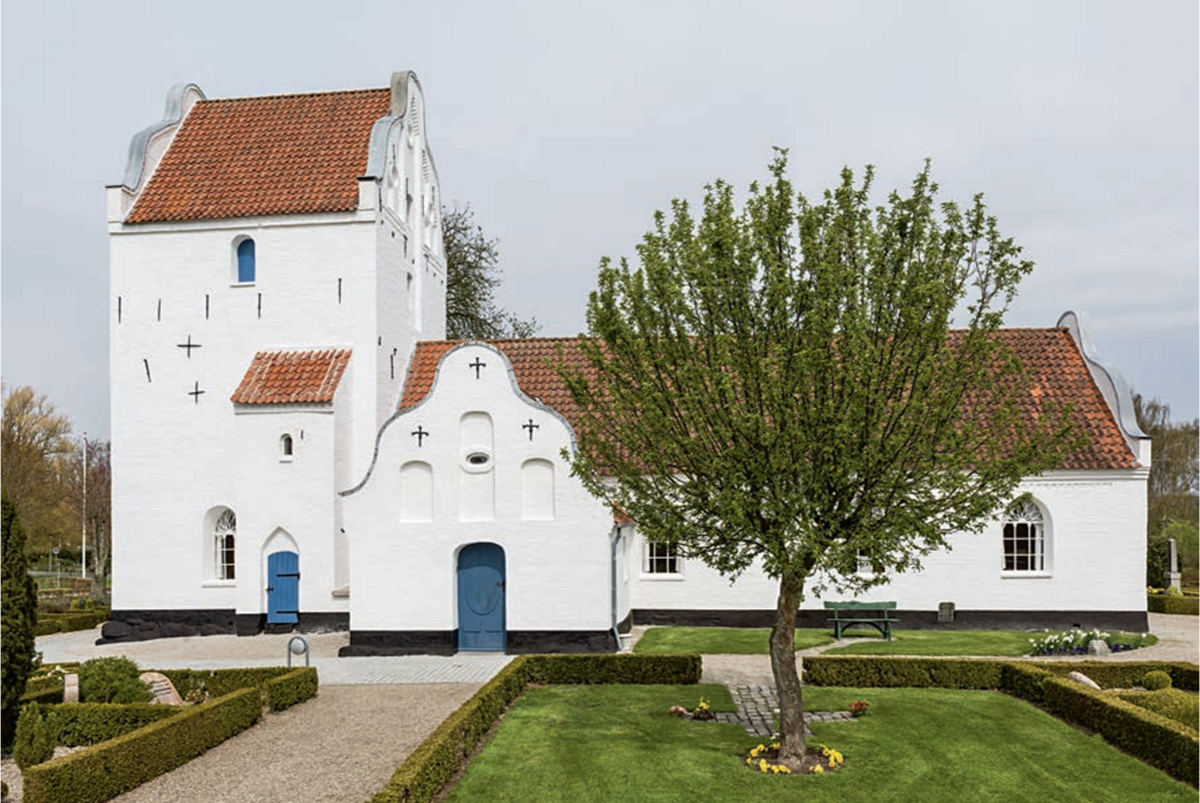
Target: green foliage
112,680
865,672
1161,742
722,640
472,276
287,690
1175,704
50,623
18,616
1180,606
78,724
1153,681
621,668
34,743
219,682
105,770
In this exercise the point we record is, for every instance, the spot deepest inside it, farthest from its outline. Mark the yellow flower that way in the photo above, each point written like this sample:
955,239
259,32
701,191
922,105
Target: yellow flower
818,769
749,761
784,770
774,745
762,764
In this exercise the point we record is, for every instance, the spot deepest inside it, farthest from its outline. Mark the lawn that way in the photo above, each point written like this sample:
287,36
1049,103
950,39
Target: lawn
753,641
601,743
722,640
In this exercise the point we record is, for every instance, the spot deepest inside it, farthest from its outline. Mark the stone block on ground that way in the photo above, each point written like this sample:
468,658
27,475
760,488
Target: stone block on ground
1079,677
71,688
163,688
1098,647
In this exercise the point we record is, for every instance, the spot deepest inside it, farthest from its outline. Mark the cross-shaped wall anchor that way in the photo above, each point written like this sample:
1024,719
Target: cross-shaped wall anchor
188,346
421,435
531,427
477,365
197,392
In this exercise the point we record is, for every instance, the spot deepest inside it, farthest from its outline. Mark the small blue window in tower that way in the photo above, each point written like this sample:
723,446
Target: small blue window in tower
245,254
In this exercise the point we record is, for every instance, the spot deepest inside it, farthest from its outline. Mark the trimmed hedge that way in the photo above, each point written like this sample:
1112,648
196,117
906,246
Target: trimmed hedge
1155,739
51,623
619,668
79,724
443,753
287,690
44,689
103,771
219,682
1161,603
1181,706
1160,742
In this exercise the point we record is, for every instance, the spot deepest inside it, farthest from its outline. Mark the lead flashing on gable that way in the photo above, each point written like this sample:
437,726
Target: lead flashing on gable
180,99
1111,383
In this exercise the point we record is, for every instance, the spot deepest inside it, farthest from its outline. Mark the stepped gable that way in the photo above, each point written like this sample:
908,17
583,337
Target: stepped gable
1058,375
292,377
275,155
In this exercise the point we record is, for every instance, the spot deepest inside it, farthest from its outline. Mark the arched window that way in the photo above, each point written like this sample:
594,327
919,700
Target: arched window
1024,538
223,544
285,447
245,261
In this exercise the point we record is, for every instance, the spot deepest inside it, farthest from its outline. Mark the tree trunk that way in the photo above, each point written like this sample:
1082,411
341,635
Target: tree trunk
787,678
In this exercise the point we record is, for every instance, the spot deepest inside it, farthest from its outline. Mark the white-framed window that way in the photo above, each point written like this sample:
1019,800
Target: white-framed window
662,559
224,534
245,263
285,448
1024,538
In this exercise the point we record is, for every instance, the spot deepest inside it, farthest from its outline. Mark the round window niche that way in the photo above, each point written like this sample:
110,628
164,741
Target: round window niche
477,461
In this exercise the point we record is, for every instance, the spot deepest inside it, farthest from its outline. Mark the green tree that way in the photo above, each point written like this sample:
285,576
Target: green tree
781,386
36,451
472,276
1173,488
18,616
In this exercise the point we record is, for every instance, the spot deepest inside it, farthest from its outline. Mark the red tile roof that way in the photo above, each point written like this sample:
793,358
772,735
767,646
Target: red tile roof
277,155
1059,374
292,377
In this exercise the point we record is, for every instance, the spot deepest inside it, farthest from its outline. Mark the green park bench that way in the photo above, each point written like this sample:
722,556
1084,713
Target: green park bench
849,614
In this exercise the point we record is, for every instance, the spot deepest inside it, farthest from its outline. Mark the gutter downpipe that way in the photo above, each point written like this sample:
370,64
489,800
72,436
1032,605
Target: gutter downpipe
616,539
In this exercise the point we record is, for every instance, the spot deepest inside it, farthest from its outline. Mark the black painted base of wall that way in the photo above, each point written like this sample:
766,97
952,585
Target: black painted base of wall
146,625
445,642
626,624
1131,621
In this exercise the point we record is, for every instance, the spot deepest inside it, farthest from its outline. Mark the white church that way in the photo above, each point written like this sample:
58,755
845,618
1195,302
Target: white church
298,446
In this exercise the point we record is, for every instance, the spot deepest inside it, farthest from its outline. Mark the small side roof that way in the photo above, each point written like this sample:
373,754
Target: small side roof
292,377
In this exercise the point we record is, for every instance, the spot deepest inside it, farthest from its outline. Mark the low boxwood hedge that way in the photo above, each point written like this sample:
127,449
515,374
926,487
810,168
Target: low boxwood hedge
219,682
51,623
1155,739
1181,706
105,770
1161,603
43,689
287,690
79,724
435,761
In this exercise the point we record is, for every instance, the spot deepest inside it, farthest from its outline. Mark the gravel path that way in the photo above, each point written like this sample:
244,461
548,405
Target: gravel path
342,745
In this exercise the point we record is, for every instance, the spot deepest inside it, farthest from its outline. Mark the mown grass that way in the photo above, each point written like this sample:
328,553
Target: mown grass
722,640
588,744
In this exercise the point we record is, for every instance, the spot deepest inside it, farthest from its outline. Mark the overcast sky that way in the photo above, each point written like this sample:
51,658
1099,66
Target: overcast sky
565,129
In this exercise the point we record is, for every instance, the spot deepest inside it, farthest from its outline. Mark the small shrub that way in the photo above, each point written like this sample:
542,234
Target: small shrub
33,744
1174,704
1173,591
1156,680
112,680
1180,606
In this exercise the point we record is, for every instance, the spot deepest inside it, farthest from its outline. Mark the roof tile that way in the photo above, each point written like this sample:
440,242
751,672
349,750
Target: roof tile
276,155
1059,375
292,377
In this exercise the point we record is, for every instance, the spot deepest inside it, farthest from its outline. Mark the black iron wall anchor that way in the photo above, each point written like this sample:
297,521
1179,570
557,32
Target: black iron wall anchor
477,365
531,427
420,435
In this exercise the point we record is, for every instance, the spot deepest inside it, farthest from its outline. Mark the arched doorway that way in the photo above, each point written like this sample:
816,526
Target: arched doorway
283,588
481,591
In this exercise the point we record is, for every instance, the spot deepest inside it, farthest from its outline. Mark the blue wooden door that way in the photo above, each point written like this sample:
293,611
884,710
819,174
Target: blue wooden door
283,587
481,588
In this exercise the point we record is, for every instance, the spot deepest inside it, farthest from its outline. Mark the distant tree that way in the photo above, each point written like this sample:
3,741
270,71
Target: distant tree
1173,489
472,276
36,450
18,616
780,386
99,505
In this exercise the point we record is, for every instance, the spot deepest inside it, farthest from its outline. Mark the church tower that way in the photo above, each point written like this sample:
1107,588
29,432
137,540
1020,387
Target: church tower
274,261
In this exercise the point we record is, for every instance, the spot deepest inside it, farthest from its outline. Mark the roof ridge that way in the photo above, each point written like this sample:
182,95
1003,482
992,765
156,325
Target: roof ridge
248,98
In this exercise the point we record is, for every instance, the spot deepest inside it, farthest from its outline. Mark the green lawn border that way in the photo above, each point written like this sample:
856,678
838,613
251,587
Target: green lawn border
110,768
1159,741
444,752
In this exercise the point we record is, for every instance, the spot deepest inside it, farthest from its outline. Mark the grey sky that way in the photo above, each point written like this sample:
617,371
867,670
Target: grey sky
566,128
